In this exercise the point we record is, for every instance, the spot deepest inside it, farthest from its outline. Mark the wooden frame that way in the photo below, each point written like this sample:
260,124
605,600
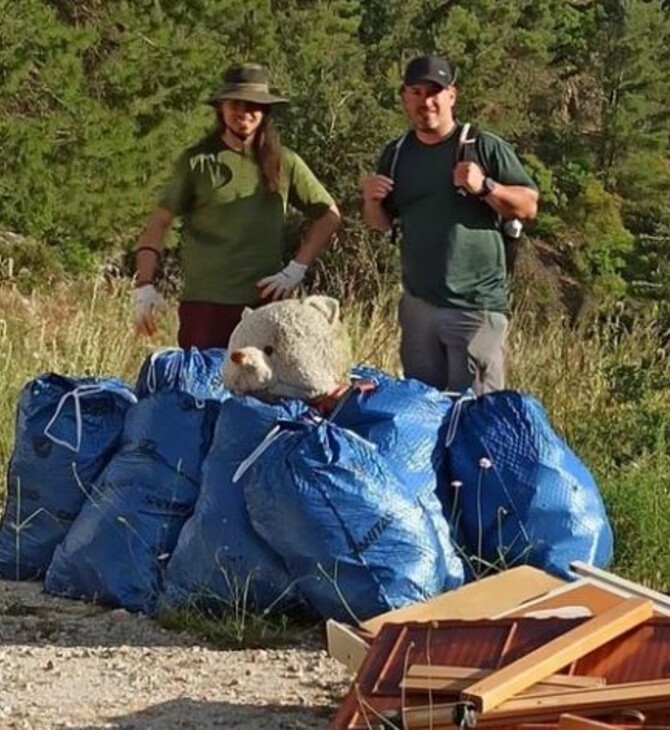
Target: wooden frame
622,585
490,692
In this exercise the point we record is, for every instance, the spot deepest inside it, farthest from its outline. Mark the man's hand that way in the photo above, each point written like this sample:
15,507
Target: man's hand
280,285
468,176
147,302
376,187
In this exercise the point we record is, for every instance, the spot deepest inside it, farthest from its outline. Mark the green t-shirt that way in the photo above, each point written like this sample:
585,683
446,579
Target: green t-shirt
452,251
233,227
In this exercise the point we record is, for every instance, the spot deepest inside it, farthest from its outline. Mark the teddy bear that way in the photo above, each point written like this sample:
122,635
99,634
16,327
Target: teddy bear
288,349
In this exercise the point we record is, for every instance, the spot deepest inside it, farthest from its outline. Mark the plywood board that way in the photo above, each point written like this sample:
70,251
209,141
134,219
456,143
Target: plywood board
481,599
345,645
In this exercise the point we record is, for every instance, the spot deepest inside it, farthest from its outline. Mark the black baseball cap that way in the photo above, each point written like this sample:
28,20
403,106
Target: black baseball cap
434,69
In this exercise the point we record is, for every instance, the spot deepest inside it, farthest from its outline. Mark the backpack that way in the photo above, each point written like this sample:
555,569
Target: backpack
465,152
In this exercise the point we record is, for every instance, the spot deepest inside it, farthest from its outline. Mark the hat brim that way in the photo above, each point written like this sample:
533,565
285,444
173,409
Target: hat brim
255,97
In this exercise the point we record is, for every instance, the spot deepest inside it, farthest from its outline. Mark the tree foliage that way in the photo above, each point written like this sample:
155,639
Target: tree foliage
97,98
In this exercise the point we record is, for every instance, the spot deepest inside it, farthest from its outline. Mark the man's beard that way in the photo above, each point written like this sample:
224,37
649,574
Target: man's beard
426,123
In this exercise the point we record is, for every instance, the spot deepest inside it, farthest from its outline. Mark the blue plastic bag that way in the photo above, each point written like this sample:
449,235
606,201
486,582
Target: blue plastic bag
67,429
354,540
193,371
220,562
116,550
519,494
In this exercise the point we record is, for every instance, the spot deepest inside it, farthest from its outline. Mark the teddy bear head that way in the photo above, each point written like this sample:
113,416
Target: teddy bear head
288,349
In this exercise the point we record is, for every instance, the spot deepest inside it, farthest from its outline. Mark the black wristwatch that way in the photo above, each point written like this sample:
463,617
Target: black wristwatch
488,186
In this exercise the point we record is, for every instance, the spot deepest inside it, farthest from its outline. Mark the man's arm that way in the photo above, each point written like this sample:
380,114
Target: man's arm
509,201
513,201
375,189
150,244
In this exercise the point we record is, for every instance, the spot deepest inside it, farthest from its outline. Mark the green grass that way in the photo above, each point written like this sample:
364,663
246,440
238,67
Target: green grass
604,384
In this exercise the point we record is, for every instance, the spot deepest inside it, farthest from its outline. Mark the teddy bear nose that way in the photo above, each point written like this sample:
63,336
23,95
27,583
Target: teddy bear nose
237,356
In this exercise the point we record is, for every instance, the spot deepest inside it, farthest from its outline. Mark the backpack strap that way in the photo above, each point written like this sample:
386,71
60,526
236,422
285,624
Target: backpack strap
396,154
394,150
466,150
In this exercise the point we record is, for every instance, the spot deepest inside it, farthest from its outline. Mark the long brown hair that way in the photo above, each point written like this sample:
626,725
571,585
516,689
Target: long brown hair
266,148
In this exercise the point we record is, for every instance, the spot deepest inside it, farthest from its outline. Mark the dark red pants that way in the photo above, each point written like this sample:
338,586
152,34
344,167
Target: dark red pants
206,324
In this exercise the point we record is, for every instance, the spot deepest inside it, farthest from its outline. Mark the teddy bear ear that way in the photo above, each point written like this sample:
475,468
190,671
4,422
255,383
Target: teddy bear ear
329,307
245,311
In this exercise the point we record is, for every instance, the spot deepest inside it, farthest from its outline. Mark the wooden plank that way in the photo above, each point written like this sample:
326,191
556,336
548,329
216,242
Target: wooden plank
456,686
345,645
452,679
612,697
568,721
480,599
575,681
585,594
639,695
597,591
488,693
624,586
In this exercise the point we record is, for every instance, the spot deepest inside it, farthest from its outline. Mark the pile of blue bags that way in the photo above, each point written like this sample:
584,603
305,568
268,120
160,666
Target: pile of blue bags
175,493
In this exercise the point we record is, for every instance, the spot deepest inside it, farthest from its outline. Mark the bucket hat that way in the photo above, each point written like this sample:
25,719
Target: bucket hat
246,82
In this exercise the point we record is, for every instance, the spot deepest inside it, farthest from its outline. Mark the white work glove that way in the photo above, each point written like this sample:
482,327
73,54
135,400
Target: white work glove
282,284
147,301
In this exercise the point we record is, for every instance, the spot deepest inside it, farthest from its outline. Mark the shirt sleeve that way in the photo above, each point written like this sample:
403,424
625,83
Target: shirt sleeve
178,194
501,161
305,192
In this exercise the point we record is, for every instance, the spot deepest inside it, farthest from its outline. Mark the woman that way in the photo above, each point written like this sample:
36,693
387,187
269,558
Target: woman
231,190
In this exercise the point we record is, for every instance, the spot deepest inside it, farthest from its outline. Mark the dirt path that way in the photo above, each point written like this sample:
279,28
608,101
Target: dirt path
67,664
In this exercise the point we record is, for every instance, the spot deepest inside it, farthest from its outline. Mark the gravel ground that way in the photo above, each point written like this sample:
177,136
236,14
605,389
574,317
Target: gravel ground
68,664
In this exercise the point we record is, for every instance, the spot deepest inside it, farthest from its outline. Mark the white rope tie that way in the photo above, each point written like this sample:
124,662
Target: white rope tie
172,366
82,391
272,435
455,417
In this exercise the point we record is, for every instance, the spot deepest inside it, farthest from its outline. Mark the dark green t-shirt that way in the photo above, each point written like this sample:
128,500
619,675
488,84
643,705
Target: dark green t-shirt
233,227
451,248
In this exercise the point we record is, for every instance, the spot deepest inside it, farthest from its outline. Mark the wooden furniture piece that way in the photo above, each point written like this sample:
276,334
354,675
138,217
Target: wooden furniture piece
641,654
488,693
480,599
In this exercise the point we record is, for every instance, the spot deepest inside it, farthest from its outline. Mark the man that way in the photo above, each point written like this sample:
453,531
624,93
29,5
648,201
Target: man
453,312
232,190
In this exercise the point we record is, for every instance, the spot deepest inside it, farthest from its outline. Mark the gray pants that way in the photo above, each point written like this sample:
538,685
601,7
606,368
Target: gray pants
452,349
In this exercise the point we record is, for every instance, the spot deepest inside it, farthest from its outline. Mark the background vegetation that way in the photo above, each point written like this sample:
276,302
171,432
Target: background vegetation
97,98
